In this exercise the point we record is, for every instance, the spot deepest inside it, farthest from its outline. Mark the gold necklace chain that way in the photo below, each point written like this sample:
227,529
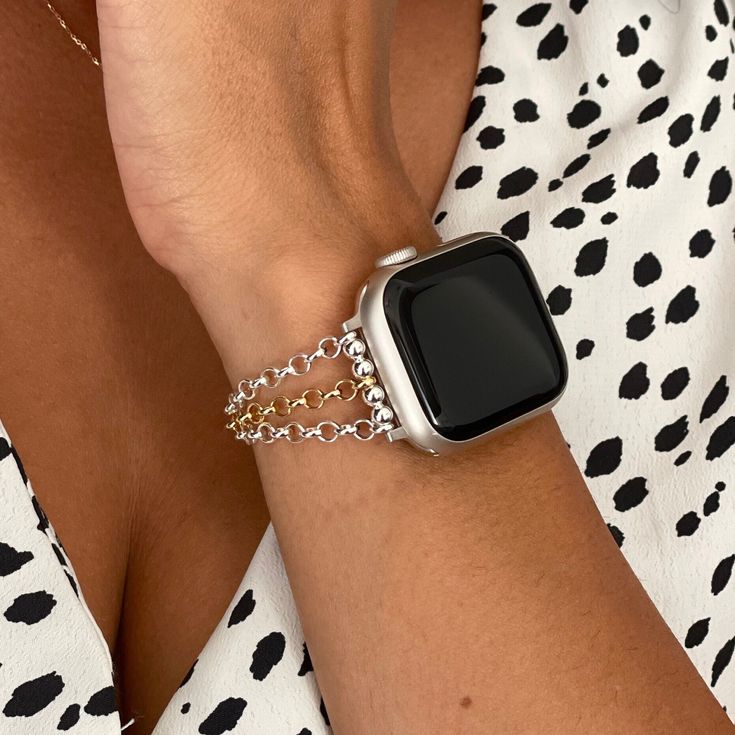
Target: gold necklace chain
78,41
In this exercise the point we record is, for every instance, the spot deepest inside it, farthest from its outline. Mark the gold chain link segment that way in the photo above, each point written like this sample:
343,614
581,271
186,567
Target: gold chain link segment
313,398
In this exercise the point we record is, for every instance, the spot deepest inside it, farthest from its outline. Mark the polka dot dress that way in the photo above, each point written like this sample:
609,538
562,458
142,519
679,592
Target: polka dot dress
601,138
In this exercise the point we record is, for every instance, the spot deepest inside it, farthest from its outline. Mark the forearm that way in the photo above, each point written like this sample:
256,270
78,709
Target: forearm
458,593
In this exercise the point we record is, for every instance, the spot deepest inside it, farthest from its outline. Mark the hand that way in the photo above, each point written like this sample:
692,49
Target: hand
235,125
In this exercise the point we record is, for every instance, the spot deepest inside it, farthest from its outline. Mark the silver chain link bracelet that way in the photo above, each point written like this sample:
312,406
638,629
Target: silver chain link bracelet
249,419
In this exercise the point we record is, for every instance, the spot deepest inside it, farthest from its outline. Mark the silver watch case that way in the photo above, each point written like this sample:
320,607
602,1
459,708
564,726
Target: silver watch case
370,319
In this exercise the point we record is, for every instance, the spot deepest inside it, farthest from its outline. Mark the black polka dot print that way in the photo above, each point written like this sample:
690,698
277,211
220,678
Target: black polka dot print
599,191
584,113
720,187
69,718
683,306
644,173
102,703
701,244
491,137
640,326
474,111
559,300
680,131
469,177
525,111
242,610
517,227
268,652
591,258
690,165
517,182
577,165
570,218
697,633
715,399
490,75
534,15
711,114
584,348
628,42
30,608
608,218
650,74
598,138
224,717
630,494
722,439
30,697
674,383
670,436
635,382
646,270
553,44
604,458
653,110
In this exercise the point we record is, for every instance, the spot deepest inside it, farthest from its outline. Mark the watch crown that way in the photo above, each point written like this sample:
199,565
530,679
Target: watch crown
402,255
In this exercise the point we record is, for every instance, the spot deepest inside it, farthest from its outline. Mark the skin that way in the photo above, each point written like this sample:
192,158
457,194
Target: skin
474,593
84,364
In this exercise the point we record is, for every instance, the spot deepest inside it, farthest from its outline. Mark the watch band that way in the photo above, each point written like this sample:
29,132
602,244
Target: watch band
250,419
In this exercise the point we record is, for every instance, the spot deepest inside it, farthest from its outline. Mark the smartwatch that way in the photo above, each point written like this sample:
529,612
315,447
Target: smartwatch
447,347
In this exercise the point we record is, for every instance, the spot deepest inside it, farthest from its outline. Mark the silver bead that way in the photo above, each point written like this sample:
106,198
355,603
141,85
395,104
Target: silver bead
382,415
355,348
374,394
363,368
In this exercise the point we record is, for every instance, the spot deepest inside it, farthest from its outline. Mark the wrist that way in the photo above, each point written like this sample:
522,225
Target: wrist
238,220
269,299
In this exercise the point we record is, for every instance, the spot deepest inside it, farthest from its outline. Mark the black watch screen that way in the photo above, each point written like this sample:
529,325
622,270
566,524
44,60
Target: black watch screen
476,338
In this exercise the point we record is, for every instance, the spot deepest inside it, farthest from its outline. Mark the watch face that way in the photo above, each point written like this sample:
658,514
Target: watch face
475,337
